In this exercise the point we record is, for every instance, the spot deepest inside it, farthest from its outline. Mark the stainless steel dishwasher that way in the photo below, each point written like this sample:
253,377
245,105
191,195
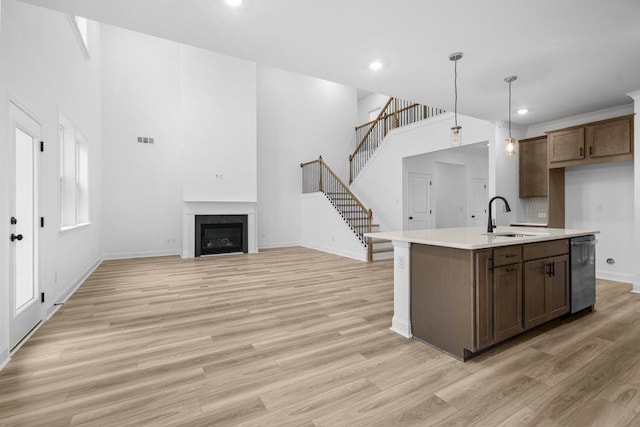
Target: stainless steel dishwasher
583,272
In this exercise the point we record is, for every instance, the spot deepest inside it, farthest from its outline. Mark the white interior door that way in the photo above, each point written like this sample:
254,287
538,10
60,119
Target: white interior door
478,214
419,203
24,290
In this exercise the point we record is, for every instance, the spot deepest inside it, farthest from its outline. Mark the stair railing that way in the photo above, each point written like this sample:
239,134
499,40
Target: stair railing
318,176
395,113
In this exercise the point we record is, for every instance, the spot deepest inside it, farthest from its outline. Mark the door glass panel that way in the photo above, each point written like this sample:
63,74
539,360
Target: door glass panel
24,274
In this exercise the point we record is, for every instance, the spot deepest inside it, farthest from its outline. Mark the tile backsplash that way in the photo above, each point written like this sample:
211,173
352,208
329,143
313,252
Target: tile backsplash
536,209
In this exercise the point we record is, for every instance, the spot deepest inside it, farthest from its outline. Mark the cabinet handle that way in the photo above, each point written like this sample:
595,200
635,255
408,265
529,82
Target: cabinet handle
591,150
553,269
548,272
581,152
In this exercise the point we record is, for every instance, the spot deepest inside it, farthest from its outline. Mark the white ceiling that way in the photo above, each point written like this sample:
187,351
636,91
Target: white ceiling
570,56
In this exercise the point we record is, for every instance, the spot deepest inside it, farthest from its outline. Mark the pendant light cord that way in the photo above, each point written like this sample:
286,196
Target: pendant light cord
509,109
455,86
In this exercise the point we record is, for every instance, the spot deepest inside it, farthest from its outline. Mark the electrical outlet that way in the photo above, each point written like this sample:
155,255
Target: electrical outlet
542,214
55,277
400,262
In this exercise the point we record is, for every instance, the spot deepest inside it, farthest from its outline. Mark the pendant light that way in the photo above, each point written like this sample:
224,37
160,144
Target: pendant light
456,131
510,143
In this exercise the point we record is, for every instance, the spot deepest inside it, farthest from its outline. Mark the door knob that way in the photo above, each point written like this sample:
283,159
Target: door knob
410,217
473,216
14,237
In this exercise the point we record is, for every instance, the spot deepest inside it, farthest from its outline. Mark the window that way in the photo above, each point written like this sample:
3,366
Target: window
74,172
80,27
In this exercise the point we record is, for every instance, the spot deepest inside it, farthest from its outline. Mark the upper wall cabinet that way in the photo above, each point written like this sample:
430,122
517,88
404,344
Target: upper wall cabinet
533,167
604,141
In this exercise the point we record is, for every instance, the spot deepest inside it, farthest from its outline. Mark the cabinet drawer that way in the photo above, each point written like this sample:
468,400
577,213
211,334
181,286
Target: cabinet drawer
507,255
545,249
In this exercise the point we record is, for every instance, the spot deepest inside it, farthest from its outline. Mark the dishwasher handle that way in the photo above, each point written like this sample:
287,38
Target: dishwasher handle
588,242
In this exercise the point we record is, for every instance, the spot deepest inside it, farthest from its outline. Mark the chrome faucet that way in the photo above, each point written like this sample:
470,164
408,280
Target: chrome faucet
490,225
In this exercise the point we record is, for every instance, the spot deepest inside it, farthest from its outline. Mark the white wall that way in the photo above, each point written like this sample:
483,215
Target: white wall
142,182
218,127
299,118
601,197
42,67
369,103
200,108
476,162
323,228
380,184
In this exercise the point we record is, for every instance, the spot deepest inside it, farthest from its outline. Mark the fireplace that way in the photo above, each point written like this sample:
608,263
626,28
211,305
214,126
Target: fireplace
220,234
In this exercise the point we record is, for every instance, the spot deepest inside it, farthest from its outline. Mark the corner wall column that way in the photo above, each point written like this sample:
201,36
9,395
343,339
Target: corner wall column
636,185
401,322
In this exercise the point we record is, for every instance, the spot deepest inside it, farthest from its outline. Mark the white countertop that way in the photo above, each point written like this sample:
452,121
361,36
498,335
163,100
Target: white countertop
477,238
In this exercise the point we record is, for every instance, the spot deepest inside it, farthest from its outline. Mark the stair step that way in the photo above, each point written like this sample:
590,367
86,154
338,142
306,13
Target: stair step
374,240
380,250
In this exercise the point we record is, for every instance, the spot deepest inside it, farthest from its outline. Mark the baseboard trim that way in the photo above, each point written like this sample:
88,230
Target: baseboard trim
72,289
143,254
357,256
401,327
615,277
4,358
279,245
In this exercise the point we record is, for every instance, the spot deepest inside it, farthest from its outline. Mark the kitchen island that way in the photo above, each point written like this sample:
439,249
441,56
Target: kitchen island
463,290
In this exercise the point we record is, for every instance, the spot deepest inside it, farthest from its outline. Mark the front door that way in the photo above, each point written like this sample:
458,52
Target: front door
419,201
26,311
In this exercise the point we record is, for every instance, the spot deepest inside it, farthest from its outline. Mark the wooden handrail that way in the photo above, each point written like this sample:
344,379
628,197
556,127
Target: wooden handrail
346,187
366,135
388,115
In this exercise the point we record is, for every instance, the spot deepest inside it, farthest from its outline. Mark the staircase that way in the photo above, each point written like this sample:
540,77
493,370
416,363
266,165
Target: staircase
318,176
394,114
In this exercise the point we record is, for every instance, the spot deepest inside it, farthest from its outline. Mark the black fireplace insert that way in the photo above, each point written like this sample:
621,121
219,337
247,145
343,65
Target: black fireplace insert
220,234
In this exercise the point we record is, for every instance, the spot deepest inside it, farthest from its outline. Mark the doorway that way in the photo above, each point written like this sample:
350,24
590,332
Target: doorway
24,294
419,203
451,195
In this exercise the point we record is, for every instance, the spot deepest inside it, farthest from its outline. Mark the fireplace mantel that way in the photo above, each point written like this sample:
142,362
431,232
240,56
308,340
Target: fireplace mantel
192,208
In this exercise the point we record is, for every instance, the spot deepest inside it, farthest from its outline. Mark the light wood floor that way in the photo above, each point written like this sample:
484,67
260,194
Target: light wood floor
301,338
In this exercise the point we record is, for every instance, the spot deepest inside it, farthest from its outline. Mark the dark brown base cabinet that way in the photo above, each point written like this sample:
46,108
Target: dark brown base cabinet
465,301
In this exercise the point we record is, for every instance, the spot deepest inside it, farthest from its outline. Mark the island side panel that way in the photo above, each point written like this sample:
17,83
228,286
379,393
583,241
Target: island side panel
442,297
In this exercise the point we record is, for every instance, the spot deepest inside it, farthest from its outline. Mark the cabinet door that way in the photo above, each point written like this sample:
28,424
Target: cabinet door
533,168
535,292
558,287
507,301
484,299
609,139
566,145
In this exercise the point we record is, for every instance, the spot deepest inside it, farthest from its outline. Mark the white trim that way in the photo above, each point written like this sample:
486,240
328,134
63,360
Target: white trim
401,327
539,129
73,227
615,277
141,254
279,245
331,250
78,36
5,357
72,289
636,288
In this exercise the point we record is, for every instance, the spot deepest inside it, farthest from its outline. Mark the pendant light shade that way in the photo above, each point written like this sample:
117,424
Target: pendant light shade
510,143
456,130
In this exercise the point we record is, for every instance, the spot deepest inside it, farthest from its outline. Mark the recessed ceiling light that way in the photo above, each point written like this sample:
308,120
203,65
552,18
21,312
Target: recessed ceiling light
375,65
523,111
234,3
